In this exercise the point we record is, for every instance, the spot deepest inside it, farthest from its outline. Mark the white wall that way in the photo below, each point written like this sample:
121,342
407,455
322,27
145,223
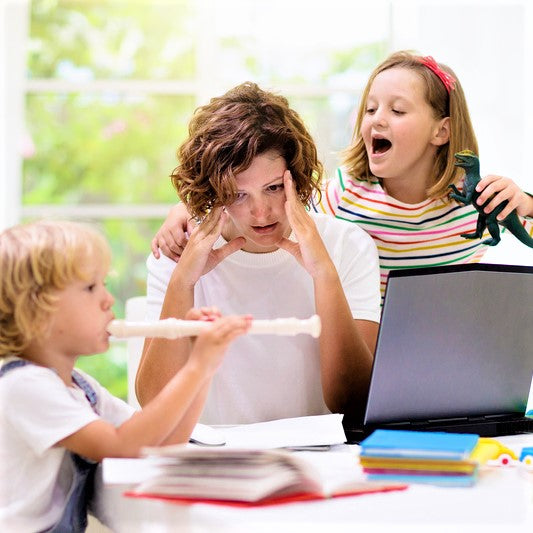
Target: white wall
489,45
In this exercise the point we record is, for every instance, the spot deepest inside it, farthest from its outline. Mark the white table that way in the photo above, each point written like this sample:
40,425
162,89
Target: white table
501,501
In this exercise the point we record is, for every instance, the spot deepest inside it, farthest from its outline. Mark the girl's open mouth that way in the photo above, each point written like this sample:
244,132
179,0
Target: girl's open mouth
380,145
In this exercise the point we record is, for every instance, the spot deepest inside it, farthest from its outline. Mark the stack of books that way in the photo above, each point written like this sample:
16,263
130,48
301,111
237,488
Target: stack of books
451,459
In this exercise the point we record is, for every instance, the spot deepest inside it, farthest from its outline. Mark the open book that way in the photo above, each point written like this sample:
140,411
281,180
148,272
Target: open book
252,476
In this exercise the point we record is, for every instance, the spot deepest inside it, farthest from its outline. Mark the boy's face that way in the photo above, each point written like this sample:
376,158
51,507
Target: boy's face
83,312
258,214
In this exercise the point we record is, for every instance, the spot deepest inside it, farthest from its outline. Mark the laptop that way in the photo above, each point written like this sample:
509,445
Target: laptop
454,353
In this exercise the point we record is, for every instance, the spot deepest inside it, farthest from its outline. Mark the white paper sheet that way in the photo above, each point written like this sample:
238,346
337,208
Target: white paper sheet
305,431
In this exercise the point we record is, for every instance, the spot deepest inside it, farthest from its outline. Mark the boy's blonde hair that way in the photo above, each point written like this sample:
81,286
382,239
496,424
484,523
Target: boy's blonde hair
36,261
227,133
453,105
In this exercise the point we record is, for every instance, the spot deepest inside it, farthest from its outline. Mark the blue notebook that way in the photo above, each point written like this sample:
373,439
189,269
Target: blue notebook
445,481
419,444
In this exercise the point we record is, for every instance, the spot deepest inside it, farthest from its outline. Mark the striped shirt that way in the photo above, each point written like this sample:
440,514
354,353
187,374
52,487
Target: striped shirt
427,234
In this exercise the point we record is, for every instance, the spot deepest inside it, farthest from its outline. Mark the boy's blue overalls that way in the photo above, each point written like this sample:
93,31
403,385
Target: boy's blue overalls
74,517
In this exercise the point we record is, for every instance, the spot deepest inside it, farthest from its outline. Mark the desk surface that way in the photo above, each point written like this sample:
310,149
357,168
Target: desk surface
502,501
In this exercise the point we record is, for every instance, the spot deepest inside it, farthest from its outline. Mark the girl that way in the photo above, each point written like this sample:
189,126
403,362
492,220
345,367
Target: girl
395,180
395,177
247,170
57,422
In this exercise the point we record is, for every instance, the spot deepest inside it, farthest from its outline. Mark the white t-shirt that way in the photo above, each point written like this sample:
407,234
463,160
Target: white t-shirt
36,411
266,377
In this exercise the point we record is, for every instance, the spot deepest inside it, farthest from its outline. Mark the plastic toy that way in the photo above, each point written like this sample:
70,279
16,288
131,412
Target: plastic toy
470,162
493,453
526,456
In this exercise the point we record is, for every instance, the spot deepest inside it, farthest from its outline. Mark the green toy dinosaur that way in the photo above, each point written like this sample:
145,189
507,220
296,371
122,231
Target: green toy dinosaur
470,162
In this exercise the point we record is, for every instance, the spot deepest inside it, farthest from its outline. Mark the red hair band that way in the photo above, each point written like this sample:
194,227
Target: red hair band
447,79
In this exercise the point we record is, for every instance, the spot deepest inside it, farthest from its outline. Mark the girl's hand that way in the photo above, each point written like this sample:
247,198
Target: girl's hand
211,345
198,256
310,250
173,235
503,189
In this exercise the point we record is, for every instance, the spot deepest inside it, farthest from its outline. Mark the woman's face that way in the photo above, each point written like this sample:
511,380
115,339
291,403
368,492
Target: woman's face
258,213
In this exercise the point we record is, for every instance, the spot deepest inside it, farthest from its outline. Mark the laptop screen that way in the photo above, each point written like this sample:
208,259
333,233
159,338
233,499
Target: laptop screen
453,341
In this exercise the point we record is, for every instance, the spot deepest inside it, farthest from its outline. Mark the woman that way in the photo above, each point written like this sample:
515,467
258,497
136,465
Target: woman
247,171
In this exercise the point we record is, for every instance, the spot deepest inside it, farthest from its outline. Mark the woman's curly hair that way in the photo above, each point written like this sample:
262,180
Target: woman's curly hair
224,137
37,260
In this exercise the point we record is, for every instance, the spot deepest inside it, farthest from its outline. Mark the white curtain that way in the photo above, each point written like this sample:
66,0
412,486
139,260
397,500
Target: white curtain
13,34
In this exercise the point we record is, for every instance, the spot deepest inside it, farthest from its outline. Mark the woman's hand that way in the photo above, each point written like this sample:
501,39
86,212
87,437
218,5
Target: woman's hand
502,189
199,257
172,236
310,250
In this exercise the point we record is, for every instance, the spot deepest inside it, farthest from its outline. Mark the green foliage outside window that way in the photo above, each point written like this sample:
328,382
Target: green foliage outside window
115,146
109,147
112,39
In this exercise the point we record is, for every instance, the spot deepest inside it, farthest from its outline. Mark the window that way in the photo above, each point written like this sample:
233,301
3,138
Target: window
110,87
98,96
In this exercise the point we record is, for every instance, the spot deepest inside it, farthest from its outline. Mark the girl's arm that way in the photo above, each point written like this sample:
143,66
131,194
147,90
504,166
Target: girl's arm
173,234
346,345
172,413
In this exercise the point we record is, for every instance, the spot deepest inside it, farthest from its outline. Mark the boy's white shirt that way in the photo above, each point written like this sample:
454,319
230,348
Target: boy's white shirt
36,411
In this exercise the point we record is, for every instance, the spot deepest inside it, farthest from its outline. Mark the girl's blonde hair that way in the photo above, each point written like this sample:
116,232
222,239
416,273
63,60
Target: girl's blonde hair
451,105
227,133
36,261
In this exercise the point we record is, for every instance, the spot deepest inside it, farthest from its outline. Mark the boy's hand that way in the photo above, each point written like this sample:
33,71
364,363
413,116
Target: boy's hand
173,234
211,344
503,189
207,314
